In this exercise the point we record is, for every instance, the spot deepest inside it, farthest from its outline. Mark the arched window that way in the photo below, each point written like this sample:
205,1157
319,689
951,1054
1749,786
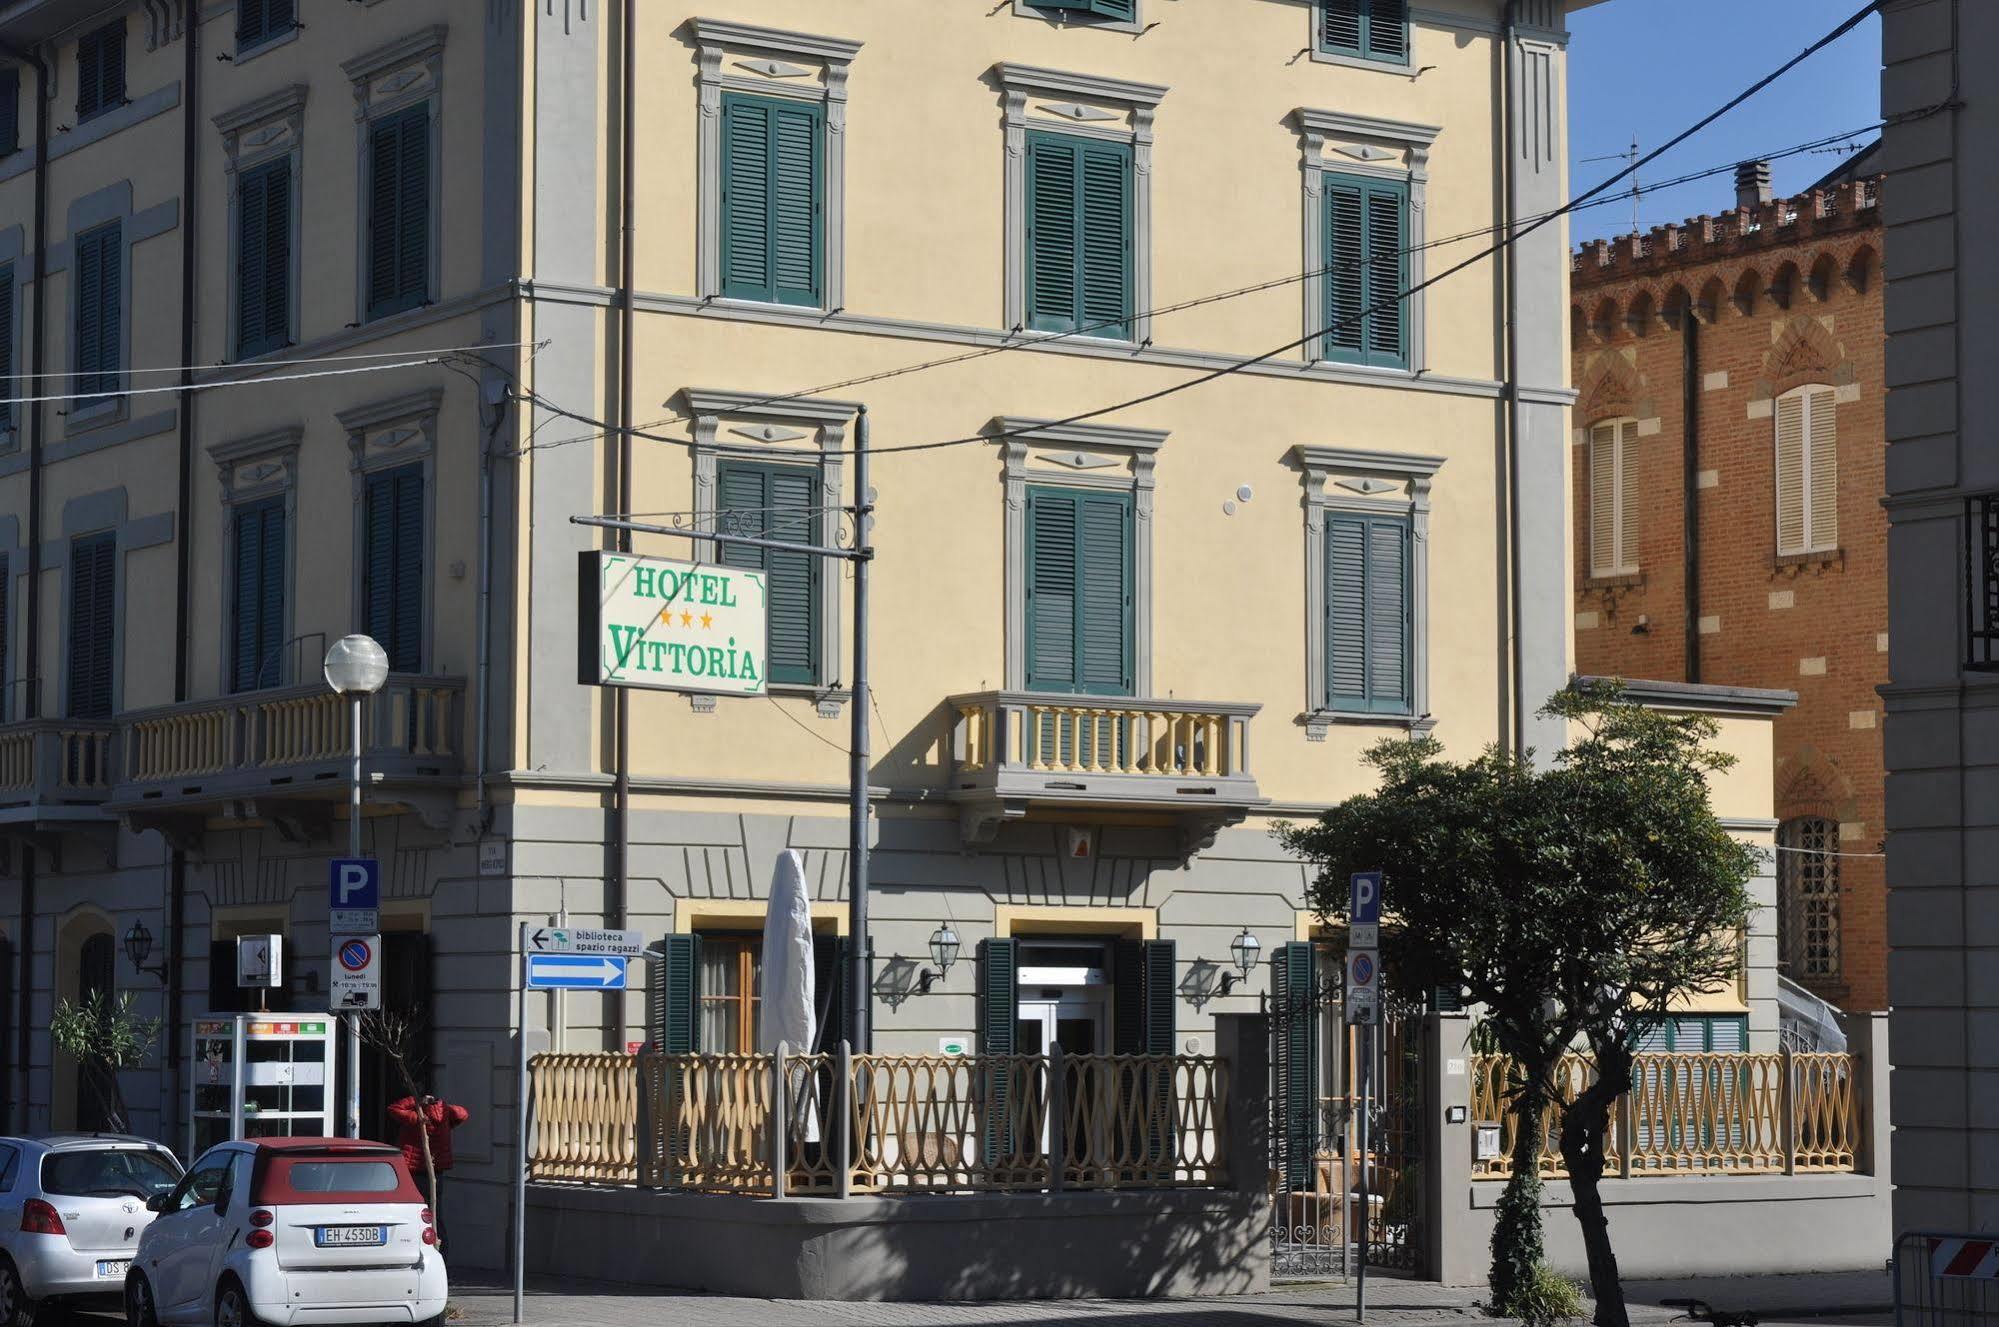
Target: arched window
1613,498
1808,897
1807,471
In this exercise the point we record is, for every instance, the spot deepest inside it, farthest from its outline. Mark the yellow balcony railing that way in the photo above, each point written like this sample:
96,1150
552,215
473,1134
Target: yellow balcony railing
1697,1114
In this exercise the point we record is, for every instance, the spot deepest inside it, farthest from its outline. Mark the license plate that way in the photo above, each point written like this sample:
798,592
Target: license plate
110,1268
347,1237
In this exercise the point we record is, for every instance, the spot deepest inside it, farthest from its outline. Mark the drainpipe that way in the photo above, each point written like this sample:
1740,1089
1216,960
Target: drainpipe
1690,520
190,152
483,629
615,900
1514,731
32,636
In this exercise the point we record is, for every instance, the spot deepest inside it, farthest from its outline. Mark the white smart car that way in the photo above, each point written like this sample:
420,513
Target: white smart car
285,1231
71,1209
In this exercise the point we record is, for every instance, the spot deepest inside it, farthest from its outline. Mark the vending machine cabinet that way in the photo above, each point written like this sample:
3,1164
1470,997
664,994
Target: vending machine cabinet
260,1076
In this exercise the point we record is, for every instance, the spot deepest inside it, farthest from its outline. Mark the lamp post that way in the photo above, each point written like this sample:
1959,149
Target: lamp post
355,667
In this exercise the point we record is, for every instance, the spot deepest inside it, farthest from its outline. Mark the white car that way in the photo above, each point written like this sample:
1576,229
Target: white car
285,1231
71,1209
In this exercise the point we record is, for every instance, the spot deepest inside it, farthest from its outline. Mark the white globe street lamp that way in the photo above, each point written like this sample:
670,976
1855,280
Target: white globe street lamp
356,667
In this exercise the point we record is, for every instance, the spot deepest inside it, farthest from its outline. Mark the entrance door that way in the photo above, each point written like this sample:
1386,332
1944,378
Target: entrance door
1078,1022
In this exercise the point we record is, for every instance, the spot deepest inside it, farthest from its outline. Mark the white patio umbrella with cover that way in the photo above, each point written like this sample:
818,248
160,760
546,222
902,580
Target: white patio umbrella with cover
785,1012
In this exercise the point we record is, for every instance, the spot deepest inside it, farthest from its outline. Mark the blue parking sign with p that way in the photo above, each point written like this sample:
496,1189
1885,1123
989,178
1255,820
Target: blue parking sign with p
356,883
1366,897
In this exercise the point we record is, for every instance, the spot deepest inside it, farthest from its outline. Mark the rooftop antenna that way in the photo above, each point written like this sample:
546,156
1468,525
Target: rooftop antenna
1630,159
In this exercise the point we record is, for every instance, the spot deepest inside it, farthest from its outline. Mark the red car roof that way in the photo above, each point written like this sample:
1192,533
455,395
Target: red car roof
322,1145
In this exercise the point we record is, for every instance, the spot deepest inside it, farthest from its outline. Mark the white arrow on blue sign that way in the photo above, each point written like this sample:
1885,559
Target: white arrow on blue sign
575,972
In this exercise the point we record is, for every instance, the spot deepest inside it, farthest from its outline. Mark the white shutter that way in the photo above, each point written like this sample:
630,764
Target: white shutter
1791,474
1822,463
1603,499
1627,497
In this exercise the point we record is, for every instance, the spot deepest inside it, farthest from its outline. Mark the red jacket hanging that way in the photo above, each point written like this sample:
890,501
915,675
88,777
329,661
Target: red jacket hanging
438,1120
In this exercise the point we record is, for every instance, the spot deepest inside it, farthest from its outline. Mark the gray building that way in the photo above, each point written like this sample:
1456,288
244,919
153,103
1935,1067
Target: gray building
1941,99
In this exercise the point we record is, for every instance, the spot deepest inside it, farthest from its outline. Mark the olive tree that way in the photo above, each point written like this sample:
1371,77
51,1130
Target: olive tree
105,1037
1574,900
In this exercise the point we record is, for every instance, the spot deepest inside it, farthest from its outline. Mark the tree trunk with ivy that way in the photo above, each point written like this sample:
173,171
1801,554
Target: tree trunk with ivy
1516,1228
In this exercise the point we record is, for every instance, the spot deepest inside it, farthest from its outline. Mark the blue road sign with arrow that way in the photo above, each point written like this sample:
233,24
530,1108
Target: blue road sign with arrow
575,972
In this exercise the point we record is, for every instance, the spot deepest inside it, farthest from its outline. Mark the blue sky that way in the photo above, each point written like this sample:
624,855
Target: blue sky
1637,67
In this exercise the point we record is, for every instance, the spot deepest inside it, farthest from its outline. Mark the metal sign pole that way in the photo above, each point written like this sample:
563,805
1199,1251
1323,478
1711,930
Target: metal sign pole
521,1143
1366,1192
353,1021
860,1018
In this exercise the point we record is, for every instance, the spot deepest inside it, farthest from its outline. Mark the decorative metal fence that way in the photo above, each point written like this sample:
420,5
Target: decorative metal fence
1696,1114
880,1123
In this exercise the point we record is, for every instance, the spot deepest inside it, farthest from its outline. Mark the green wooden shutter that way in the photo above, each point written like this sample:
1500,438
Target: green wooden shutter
1118,9
1144,997
830,987
259,21
392,579
1079,592
93,588
751,499
1079,235
1053,301
1365,29
998,1035
1368,613
10,111
773,200
99,315
674,1001
263,258
399,212
260,595
7,343
1366,223
1295,1047
1104,238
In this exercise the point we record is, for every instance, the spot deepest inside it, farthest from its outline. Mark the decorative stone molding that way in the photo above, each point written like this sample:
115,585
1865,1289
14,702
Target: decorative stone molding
1103,456
769,62
391,78
1372,483
806,431
1086,106
254,133
1342,143
258,466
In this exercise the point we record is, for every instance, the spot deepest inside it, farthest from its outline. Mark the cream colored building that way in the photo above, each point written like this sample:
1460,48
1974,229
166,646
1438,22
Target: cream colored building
402,227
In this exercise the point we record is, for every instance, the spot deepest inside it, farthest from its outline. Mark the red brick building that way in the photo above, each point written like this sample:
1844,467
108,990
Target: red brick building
1727,481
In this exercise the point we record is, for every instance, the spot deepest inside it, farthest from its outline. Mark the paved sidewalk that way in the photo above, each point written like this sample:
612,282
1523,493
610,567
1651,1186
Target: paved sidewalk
1846,1299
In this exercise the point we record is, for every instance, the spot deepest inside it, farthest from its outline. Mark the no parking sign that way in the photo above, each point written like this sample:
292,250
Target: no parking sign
357,973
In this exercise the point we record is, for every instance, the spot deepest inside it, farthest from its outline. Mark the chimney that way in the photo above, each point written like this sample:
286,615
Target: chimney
1752,184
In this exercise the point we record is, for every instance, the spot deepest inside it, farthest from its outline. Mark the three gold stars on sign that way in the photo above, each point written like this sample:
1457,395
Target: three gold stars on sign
666,616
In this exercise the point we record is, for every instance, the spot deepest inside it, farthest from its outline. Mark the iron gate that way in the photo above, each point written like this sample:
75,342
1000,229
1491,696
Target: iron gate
1315,1171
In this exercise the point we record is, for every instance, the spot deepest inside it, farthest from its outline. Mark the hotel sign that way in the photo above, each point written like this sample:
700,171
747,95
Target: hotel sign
674,626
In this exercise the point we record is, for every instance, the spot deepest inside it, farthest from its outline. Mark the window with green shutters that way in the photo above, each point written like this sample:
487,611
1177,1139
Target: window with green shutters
1079,235
1699,1033
773,225
1295,1019
1366,270
10,111
100,332
1368,613
100,70
392,525
264,257
398,267
673,996
1126,10
1364,29
1079,591
752,498
93,624
257,632
259,21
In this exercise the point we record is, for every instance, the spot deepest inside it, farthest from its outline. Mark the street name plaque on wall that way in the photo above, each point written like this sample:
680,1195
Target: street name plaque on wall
672,626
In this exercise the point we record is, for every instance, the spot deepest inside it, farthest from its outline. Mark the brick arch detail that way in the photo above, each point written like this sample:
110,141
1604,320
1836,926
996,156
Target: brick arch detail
1810,784
1805,352
1612,387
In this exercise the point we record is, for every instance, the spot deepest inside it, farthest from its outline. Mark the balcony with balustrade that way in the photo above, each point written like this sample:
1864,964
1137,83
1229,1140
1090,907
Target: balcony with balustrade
1017,754
56,775
283,756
